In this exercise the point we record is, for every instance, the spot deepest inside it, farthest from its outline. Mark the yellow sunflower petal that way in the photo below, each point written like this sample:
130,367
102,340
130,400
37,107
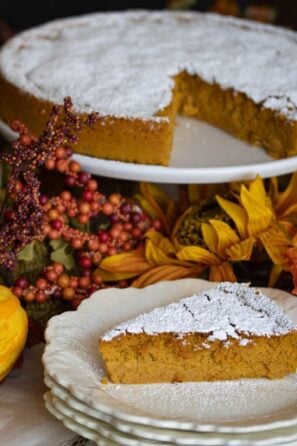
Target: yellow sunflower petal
226,236
159,195
242,250
165,272
257,190
236,213
234,187
159,201
198,255
273,189
275,244
210,237
156,256
108,276
196,193
290,211
171,213
162,242
222,273
126,262
287,198
199,192
288,228
259,213
146,206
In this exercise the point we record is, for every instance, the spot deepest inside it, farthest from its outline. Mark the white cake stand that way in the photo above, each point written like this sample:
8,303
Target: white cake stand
201,154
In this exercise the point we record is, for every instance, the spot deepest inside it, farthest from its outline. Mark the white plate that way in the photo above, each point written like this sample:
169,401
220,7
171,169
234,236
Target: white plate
72,425
201,154
100,433
104,429
173,437
71,358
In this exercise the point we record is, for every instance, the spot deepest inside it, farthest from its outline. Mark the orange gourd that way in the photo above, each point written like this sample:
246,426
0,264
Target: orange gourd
13,330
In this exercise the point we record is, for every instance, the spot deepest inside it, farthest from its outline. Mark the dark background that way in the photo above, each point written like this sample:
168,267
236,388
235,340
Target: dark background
21,14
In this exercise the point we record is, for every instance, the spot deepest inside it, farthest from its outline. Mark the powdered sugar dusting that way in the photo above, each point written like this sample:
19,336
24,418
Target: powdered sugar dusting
230,310
244,342
122,64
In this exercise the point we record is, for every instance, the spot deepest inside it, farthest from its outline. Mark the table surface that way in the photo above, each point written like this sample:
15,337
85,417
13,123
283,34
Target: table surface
24,421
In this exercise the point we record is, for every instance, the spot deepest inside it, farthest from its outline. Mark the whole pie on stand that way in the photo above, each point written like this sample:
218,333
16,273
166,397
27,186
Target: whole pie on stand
139,69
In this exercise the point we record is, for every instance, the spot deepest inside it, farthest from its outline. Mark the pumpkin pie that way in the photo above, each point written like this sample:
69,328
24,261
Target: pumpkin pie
228,332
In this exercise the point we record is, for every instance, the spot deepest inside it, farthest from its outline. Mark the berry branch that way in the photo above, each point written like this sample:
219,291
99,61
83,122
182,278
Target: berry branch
80,218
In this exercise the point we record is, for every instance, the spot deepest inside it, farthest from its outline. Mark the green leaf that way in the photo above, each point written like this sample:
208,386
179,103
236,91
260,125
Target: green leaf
62,254
28,254
32,259
57,244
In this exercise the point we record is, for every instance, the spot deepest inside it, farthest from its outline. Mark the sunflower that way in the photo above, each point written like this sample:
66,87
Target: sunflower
209,238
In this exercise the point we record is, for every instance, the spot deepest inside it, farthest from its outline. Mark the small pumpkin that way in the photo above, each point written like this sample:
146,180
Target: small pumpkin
13,330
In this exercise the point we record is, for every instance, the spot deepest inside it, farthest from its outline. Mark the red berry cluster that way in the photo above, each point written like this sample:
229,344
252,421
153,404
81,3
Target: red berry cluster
127,222
125,231
80,202
21,209
56,283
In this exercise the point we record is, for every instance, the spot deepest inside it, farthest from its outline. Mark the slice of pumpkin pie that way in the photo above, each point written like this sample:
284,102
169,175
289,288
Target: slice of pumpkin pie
228,332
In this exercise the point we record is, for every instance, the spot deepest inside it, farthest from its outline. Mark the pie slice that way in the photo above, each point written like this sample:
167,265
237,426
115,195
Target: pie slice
228,332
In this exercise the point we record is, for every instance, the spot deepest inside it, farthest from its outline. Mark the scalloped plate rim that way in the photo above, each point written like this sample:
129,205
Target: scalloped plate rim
190,441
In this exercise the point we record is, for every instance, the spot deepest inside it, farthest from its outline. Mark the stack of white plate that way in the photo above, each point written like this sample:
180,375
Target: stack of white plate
250,412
